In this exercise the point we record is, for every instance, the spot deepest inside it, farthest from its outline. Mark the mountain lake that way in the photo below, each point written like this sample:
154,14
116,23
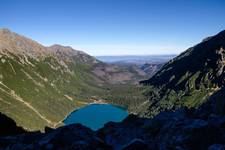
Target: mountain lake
95,116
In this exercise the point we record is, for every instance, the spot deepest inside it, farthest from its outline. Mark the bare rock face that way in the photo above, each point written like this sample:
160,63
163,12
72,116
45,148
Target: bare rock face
151,69
20,45
69,54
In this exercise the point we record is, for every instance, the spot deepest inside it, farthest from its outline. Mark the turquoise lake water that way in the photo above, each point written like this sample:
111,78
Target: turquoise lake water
96,115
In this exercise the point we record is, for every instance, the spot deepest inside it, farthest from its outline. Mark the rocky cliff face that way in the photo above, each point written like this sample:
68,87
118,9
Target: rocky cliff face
151,68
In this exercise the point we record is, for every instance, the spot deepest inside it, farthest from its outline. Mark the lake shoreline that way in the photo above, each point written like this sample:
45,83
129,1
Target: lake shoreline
96,115
94,102
61,123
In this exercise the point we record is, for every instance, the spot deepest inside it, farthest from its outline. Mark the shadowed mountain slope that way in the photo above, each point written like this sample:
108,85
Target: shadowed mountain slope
189,79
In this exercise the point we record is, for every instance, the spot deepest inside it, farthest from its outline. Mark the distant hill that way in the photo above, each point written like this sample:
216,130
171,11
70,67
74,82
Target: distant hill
189,79
143,65
136,59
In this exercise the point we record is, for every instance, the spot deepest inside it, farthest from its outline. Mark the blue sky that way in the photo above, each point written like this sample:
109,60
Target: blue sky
115,27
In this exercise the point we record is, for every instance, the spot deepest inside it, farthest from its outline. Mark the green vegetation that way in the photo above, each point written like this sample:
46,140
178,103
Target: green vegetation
126,95
52,92
40,86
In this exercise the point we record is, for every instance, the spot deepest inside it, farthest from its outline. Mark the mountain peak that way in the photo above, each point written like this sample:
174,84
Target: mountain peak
5,30
58,46
66,50
221,33
19,45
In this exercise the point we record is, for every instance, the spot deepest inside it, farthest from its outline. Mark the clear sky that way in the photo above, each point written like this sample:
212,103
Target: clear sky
115,27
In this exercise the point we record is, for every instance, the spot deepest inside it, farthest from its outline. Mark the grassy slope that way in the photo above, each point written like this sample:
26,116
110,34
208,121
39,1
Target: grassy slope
52,92
39,86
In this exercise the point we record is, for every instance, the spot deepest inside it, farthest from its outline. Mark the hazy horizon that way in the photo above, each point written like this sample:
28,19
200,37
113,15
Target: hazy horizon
141,55
117,27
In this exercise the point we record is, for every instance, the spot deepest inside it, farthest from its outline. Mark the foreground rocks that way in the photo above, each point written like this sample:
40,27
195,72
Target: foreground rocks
183,129
8,126
70,137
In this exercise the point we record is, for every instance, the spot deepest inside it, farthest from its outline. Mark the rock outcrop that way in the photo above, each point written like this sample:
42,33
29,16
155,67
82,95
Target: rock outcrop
9,127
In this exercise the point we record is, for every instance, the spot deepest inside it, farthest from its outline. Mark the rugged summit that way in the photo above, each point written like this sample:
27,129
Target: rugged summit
20,45
69,54
189,79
